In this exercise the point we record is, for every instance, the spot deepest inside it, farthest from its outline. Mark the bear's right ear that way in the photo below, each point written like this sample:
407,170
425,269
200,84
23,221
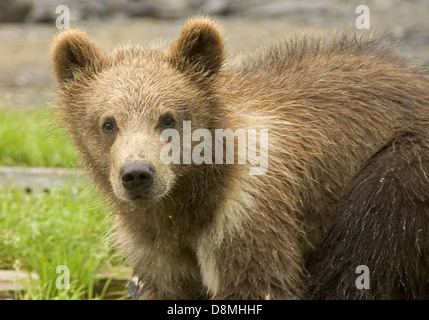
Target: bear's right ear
73,53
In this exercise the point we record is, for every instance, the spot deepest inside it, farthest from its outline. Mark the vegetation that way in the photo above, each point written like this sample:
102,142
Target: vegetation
62,227
31,138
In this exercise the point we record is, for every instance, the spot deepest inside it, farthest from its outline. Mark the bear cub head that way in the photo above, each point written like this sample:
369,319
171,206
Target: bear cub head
116,105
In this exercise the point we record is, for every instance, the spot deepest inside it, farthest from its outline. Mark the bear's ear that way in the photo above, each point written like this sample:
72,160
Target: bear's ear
73,53
198,48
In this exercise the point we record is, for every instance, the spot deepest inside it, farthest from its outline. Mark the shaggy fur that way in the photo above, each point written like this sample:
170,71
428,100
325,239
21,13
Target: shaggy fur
347,182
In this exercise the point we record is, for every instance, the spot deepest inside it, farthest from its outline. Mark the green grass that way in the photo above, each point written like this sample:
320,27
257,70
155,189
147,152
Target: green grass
41,231
64,227
31,138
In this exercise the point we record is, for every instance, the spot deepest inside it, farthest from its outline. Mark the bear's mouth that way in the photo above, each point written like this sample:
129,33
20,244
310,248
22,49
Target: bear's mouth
140,194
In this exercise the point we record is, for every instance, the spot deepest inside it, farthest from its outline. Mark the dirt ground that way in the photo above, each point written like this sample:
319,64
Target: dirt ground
26,79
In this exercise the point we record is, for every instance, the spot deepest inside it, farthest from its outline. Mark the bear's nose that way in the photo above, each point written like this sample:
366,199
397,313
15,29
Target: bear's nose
137,174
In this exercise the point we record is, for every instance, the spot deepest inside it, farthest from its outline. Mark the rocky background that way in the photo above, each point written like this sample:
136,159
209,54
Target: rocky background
28,26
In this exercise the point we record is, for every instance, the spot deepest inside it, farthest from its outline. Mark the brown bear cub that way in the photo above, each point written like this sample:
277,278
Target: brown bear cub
347,181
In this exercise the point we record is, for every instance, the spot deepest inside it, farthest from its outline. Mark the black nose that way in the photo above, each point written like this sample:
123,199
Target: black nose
137,174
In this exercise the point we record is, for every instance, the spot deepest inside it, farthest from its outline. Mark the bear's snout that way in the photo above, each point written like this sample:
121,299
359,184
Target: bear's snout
137,176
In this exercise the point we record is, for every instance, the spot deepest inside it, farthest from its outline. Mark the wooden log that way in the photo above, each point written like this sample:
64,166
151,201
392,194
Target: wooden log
12,281
39,179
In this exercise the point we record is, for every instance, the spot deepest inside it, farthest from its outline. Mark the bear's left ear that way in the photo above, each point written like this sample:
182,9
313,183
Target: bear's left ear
198,48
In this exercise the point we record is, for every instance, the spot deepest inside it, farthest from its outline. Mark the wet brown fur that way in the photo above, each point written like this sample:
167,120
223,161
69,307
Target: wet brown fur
348,161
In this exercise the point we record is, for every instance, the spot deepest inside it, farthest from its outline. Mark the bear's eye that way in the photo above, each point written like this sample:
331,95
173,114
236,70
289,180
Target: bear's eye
168,122
109,126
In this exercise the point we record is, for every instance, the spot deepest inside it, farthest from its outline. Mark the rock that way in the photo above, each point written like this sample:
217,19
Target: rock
164,8
14,10
45,10
218,7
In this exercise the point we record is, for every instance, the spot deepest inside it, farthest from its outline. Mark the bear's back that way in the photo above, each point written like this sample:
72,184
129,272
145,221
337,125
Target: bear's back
329,105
